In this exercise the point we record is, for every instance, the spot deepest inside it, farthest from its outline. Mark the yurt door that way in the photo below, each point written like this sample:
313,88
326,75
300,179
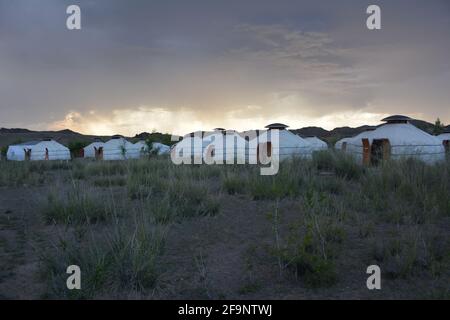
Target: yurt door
446,144
46,154
366,151
100,153
380,151
264,151
27,154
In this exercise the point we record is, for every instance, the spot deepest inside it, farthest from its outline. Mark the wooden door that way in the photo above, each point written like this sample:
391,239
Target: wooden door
366,151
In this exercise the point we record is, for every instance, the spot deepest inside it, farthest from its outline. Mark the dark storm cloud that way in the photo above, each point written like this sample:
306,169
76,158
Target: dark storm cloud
214,58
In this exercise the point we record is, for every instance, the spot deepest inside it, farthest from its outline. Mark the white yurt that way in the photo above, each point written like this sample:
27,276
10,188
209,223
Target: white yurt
118,148
211,146
46,149
225,146
396,139
94,150
290,144
160,148
316,143
139,150
445,138
341,144
190,149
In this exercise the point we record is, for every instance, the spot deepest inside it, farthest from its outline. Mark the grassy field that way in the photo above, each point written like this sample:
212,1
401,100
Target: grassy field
150,229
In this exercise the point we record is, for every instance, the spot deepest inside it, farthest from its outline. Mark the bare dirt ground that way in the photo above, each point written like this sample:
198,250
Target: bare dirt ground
19,226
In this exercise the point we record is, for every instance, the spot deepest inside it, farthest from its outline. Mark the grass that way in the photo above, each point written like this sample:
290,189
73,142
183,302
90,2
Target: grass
412,252
328,218
234,184
126,259
75,206
304,251
341,164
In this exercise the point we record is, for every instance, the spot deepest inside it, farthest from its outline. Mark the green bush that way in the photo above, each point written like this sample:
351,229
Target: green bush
307,249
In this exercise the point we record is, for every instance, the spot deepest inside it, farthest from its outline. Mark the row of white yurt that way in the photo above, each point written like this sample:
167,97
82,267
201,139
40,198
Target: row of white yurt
46,149
223,145
196,145
231,146
118,148
396,139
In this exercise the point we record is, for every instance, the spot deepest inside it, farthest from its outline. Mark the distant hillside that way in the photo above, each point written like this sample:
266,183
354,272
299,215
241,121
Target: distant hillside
11,136
342,132
66,137
312,131
14,130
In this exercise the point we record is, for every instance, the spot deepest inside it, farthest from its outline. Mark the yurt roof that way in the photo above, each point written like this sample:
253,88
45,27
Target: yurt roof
286,139
279,126
400,134
95,143
37,142
116,141
315,140
30,143
444,136
397,119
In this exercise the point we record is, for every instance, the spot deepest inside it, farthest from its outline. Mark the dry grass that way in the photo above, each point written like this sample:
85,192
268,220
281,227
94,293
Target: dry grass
319,230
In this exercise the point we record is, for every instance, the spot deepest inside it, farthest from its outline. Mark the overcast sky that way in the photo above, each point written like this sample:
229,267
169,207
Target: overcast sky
180,66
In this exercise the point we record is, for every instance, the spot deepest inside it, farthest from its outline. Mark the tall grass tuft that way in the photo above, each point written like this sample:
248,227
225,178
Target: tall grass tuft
74,206
123,261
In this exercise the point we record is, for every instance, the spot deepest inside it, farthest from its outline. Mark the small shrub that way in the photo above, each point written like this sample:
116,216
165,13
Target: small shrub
161,210
74,207
324,160
347,168
305,251
234,184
